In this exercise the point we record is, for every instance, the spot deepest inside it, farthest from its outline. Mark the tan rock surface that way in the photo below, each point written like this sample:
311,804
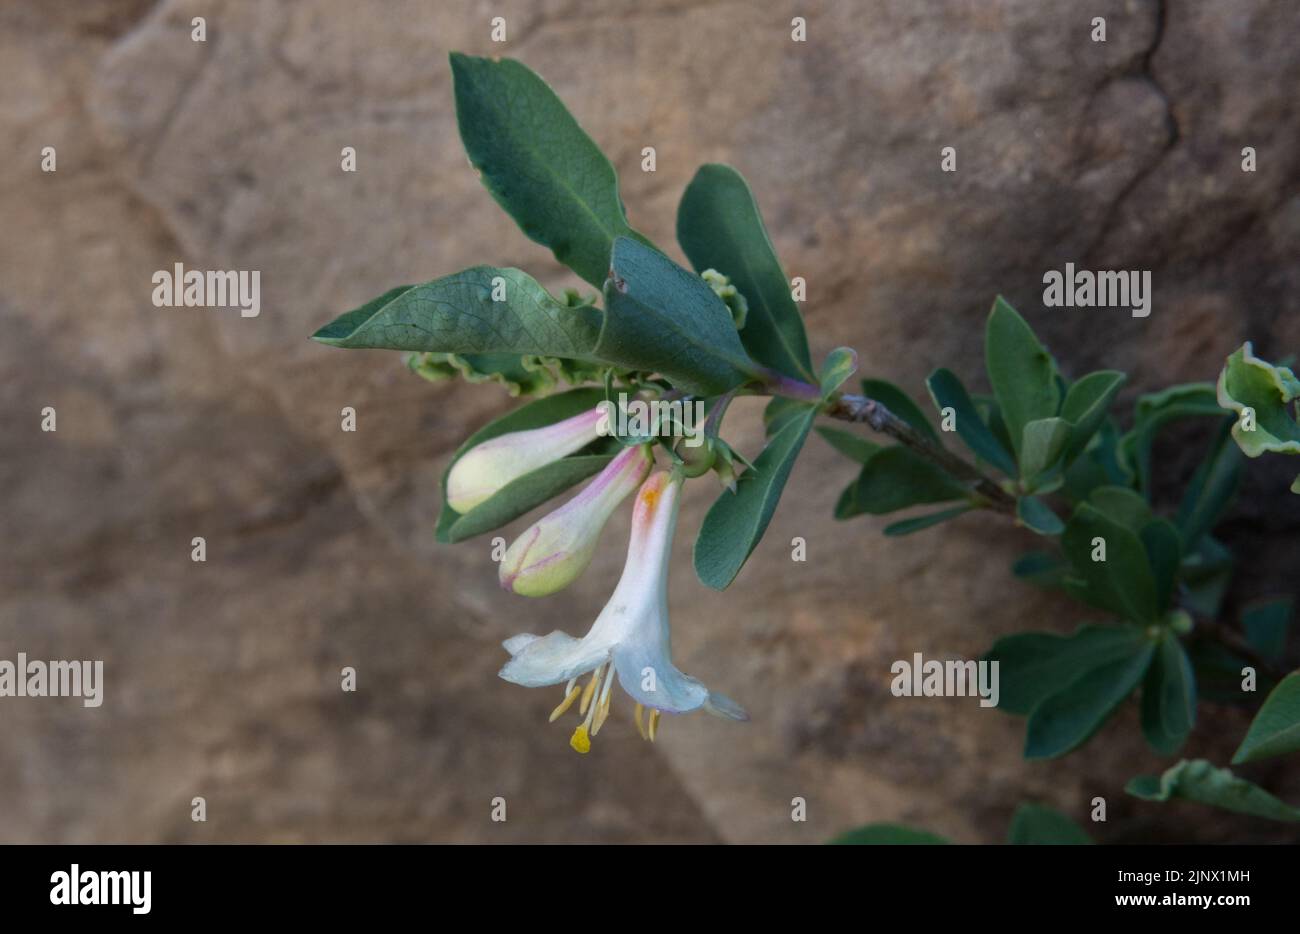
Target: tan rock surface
222,678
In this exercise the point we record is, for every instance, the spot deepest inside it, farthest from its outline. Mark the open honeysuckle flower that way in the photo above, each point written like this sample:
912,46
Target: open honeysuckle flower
630,638
486,468
557,548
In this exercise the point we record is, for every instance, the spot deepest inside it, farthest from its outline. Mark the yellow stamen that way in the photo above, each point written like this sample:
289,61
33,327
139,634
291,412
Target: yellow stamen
603,700
640,727
565,704
589,691
580,741
654,724
601,713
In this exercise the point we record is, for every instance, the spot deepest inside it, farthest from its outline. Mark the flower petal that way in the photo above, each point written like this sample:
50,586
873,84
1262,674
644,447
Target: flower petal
720,705
649,676
551,659
556,549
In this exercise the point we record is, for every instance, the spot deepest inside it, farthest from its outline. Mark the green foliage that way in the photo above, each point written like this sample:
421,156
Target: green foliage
736,521
1262,395
1036,825
901,404
719,227
894,478
947,391
482,310
538,163
1022,372
1037,516
1276,728
1153,412
1120,580
839,366
1031,825
1168,697
854,447
1068,718
917,523
659,317
887,835
1265,624
1198,780
1034,666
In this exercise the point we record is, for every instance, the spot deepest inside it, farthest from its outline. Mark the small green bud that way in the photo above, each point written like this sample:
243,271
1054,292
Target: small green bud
697,460
1180,621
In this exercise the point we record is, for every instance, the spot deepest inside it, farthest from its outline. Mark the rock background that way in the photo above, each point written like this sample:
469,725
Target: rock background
222,677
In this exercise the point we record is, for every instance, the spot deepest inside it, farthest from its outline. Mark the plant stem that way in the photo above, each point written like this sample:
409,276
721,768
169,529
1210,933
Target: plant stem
872,412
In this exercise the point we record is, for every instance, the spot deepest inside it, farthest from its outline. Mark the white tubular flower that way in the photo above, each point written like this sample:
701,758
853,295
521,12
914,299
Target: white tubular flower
557,548
630,637
486,468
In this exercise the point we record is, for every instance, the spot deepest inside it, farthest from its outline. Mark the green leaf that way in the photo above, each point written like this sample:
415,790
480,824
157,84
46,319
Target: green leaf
1265,624
1043,442
1086,404
901,404
1164,554
780,410
887,835
1211,489
1123,505
1205,574
1038,517
719,227
457,314
908,526
1168,697
1068,718
661,318
1022,372
1123,582
894,478
532,489
1034,824
1276,728
520,374
854,447
1247,382
1097,465
839,366
538,163
1040,568
735,523
1198,780
1155,410
947,391
1033,666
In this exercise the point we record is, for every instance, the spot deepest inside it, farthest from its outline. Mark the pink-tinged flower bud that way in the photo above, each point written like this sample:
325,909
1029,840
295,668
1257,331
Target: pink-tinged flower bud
557,548
485,468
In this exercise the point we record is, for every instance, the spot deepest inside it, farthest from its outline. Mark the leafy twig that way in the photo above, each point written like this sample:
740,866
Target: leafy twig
854,408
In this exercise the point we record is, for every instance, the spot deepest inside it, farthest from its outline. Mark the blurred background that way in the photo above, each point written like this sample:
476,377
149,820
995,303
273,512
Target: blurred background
222,678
